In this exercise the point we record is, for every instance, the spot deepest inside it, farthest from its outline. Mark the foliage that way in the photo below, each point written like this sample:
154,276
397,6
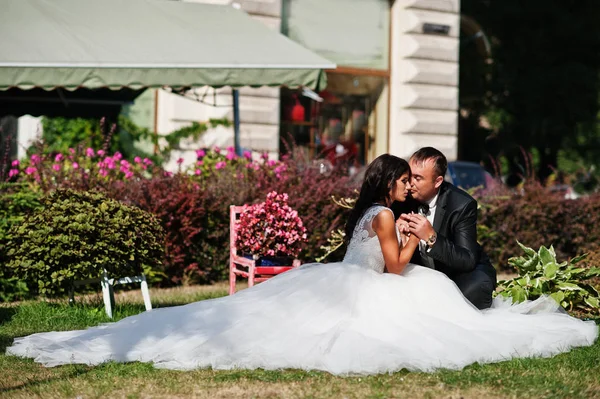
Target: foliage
60,134
537,216
80,168
193,207
534,88
192,204
270,228
336,239
16,201
192,132
541,274
76,235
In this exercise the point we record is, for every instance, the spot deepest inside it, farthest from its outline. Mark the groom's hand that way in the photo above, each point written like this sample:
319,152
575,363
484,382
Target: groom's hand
418,225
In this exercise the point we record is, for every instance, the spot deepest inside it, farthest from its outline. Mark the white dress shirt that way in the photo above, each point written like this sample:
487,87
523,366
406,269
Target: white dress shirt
430,217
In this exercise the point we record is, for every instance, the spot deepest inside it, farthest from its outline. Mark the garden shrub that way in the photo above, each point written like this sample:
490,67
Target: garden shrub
16,201
192,205
75,235
539,218
194,209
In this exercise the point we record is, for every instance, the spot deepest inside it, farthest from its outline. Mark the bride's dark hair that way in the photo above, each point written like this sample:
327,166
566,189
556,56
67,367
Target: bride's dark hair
380,177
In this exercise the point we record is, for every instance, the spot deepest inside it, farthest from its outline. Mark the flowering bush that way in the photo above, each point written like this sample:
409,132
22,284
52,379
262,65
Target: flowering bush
79,168
192,204
270,228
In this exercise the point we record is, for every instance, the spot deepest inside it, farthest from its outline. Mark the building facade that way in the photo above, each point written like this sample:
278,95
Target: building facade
395,88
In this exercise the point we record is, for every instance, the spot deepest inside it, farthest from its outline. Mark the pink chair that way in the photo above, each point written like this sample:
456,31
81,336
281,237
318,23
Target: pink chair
244,267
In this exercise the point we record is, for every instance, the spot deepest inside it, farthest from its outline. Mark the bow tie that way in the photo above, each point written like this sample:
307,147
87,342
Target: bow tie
423,209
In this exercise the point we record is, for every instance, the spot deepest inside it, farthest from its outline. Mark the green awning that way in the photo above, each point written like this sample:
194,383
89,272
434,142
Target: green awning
145,43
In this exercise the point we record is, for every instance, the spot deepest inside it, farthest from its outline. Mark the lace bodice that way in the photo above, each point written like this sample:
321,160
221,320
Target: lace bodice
364,249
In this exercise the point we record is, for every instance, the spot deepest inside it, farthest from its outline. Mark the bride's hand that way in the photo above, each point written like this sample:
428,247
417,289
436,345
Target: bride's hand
404,230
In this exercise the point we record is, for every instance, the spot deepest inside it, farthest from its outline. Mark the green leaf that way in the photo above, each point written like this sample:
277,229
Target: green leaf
593,302
568,286
517,261
578,258
518,294
531,264
558,296
550,270
546,256
522,281
528,251
579,270
593,272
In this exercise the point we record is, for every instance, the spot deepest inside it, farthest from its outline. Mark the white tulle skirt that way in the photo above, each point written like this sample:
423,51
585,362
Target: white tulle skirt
337,317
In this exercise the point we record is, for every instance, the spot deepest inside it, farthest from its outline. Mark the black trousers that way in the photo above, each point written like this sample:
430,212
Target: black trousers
478,285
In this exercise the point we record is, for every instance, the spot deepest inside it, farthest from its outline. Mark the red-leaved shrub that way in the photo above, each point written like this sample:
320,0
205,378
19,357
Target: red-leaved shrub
537,217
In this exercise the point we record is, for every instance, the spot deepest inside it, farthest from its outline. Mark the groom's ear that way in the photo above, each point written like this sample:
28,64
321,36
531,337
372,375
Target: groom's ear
438,181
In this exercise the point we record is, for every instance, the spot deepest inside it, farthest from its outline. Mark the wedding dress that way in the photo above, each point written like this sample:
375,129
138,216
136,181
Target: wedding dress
346,318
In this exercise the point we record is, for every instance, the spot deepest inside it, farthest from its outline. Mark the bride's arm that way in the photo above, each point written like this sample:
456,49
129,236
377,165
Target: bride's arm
396,257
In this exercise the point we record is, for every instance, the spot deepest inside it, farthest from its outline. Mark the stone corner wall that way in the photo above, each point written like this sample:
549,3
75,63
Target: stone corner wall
424,77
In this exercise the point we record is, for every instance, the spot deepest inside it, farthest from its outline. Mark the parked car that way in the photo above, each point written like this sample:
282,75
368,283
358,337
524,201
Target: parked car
467,175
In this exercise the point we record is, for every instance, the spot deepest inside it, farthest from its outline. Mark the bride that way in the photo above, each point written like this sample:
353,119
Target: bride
345,318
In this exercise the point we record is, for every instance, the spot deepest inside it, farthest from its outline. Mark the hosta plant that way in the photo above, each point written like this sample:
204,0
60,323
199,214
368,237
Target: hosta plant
541,274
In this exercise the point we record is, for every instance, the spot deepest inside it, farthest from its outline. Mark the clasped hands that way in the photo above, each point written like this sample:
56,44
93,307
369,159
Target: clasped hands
413,223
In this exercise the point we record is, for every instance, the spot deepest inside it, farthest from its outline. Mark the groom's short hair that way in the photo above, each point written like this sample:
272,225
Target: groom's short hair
439,160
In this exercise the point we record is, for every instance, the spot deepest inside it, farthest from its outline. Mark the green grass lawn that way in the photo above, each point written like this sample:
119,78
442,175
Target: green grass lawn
572,375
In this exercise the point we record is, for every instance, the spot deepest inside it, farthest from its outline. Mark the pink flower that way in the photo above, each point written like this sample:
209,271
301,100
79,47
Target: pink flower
200,153
125,163
35,159
117,156
180,161
101,153
200,163
72,150
89,152
217,150
271,163
231,149
220,165
13,172
75,165
15,163
30,170
198,172
271,228
56,167
103,172
128,174
168,174
59,157
137,159
147,162
247,154
230,156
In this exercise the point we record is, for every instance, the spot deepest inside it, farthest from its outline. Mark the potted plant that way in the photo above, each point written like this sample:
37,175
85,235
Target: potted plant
270,232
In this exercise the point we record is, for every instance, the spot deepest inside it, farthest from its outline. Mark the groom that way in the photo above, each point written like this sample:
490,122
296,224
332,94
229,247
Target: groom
444,217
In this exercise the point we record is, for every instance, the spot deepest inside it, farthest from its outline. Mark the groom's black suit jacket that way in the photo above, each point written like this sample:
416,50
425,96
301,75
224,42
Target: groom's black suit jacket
456,250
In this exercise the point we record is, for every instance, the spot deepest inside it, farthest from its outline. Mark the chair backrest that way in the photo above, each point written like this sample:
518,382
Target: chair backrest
234,212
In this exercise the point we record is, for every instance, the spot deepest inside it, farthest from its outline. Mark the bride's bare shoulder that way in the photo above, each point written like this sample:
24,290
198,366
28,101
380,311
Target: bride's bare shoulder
383,219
